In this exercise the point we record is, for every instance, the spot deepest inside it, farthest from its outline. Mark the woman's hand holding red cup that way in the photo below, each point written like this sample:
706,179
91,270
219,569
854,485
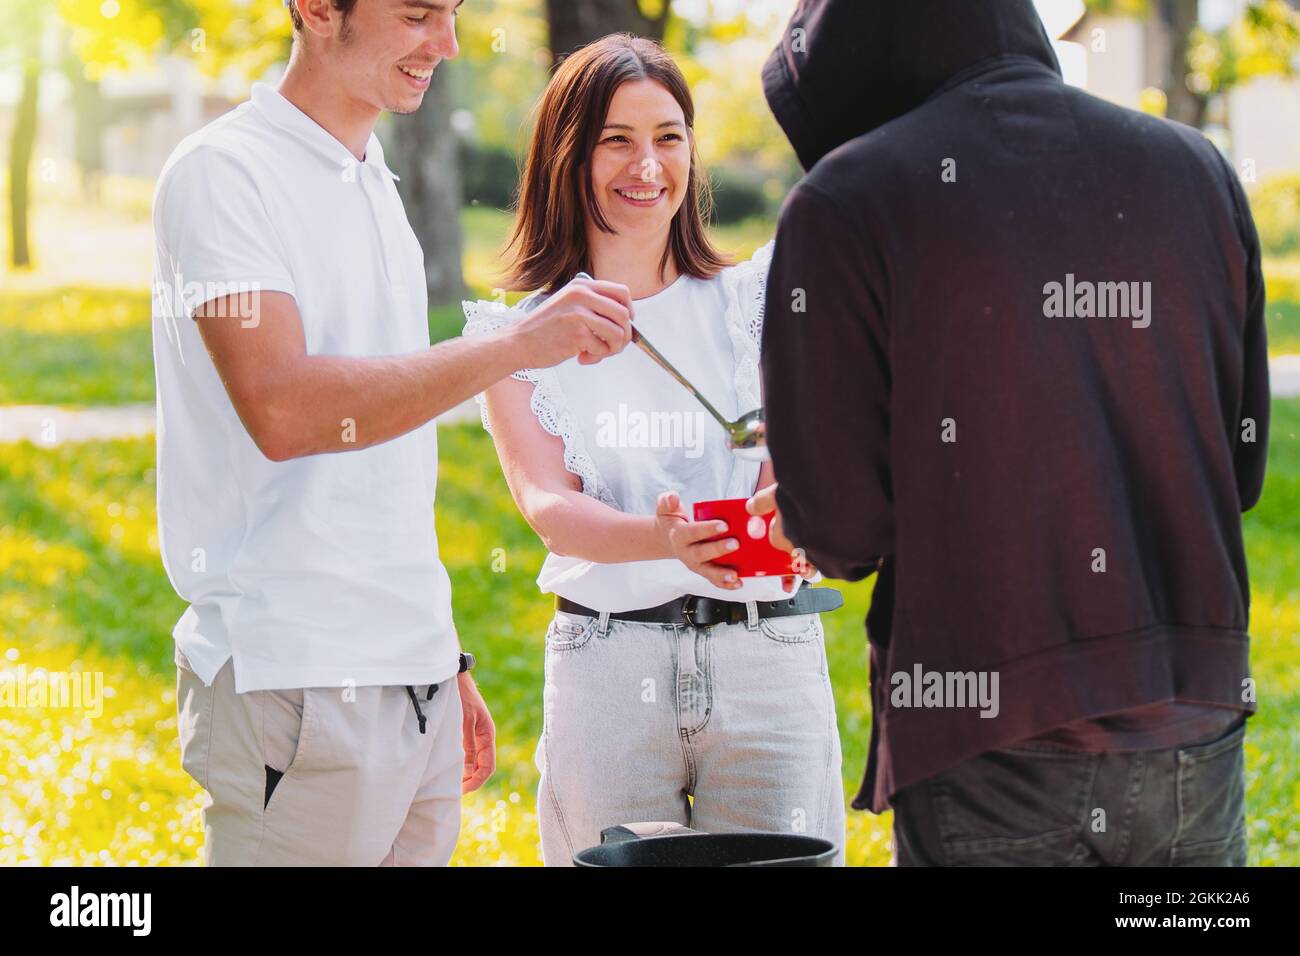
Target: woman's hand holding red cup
687,541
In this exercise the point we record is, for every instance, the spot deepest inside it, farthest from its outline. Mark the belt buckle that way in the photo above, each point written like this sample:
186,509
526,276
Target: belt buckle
688,609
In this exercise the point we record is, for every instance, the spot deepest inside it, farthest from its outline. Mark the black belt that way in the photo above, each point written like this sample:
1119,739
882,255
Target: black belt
696,611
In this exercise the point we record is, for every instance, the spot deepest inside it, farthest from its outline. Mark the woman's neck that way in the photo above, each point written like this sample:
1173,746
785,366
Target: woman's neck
632,261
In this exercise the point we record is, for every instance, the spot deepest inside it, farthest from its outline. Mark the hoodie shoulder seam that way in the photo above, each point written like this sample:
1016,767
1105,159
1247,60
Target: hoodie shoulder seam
876,239
835,205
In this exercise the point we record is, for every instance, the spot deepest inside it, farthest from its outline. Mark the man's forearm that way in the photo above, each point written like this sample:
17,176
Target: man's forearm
323,403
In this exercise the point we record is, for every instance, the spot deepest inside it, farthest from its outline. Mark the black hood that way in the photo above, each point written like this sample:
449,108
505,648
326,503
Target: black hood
845,67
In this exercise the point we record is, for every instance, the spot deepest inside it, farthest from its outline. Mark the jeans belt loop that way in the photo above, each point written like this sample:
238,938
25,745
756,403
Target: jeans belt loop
602,627
751,615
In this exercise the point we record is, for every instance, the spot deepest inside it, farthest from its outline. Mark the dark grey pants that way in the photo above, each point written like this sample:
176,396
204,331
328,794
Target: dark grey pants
1042,806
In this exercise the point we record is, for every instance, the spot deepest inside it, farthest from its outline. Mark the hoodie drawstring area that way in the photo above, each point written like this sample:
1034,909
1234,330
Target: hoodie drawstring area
415,702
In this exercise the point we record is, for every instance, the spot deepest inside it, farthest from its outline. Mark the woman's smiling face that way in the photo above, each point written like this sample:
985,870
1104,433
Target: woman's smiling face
641,166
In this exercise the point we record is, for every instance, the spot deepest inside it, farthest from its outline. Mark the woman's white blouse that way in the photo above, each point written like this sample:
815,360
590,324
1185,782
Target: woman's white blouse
631,431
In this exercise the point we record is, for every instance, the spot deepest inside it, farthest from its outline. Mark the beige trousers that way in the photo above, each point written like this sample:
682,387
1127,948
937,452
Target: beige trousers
361,786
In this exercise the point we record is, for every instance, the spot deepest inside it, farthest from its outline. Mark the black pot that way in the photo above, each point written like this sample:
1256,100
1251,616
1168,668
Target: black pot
671,844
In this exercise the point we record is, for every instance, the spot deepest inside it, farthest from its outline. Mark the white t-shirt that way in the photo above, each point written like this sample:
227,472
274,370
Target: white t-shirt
631,431
318,571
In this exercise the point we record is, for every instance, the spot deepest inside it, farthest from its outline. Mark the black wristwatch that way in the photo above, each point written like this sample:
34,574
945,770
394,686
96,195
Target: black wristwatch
466,662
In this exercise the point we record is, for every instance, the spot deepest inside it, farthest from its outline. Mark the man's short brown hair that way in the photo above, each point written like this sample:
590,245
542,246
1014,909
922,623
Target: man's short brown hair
344,5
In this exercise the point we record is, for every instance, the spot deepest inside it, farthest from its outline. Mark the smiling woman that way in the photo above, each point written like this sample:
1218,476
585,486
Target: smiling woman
613,155
654,638
643,158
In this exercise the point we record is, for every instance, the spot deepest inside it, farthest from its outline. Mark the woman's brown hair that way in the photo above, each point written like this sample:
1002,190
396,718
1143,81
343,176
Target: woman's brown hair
549,243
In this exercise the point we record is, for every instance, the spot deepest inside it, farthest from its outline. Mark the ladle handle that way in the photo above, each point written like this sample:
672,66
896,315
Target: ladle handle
668,367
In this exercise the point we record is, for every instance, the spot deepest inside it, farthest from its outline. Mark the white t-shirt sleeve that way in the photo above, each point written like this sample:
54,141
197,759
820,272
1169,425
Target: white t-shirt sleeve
213,227
484,316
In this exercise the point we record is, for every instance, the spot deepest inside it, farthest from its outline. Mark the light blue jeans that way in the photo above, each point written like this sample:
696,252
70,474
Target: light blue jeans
722,729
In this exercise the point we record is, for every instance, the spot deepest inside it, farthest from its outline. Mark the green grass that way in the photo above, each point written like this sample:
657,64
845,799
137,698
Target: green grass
82,588
75,346
1272,531
1283,320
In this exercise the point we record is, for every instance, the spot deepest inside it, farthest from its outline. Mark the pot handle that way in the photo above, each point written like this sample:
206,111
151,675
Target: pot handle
627,832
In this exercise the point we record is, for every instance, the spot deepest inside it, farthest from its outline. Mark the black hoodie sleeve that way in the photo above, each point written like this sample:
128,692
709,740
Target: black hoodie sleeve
826,383
1250,457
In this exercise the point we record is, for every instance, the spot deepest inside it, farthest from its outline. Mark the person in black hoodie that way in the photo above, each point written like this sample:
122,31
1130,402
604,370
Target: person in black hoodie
1027,327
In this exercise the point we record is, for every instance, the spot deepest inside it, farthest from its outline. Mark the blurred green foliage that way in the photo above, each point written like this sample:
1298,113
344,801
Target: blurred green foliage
1275,204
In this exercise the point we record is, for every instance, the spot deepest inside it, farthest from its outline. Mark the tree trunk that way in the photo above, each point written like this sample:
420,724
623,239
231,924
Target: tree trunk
1184,104
424,155
20,161
90,117
575,23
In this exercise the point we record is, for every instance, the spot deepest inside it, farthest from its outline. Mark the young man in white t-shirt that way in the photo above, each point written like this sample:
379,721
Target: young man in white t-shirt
324,701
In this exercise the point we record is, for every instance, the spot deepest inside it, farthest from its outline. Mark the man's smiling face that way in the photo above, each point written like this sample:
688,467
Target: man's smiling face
389,48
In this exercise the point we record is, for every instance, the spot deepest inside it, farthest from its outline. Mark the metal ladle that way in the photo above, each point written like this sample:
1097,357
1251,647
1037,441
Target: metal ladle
745,436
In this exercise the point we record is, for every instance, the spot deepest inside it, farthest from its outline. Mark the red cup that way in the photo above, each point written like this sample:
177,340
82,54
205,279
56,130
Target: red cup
755,558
